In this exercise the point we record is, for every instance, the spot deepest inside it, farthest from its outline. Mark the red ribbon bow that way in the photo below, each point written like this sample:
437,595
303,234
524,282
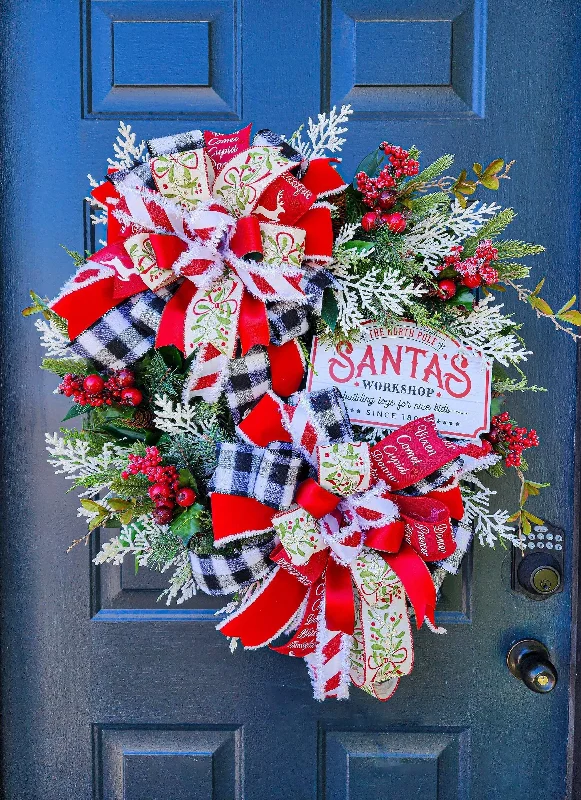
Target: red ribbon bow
419,530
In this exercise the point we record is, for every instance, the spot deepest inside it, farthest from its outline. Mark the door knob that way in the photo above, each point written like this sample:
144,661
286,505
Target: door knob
530,662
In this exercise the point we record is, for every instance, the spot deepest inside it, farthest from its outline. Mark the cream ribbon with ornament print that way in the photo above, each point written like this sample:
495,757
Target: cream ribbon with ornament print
381,649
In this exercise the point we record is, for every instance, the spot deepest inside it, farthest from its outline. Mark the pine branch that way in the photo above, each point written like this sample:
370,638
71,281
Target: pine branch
512,248
511,269
64,366
440,165
428,202
489,230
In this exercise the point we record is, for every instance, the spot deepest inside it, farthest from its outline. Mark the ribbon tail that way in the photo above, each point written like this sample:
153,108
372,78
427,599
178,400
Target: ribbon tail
339,608
329,665
173,319
287,367
253,323
304,642
268,613
235,517
416,580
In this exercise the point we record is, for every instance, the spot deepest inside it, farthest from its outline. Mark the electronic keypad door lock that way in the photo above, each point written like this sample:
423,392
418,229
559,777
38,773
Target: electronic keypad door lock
538,566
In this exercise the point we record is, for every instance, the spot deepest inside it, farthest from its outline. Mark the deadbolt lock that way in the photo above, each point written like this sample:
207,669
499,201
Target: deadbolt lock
538,567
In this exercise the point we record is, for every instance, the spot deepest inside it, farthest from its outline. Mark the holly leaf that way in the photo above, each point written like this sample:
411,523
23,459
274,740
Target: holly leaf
187,524
125,433
496,405
172,356
363,248
370,165
75,411
463,298
187,479
330,309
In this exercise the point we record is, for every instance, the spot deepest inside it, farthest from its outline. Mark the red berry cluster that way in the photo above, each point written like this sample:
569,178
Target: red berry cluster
165,490
513,440
96,391
380,193
472,271
400,160
376,191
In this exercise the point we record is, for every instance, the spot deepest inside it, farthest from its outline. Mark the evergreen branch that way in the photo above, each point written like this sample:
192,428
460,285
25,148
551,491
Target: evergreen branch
64,366
488,230
511,269
431,172
512,248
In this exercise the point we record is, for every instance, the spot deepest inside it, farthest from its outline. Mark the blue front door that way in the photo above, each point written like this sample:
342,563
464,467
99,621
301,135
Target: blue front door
108,694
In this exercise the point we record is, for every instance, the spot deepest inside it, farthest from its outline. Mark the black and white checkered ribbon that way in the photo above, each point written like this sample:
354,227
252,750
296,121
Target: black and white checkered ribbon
217,574
270,475
124,334
247,380
289,320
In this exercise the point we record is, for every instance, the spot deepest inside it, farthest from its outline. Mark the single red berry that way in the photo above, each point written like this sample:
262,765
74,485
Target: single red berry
125,378
446,289
396,222
387,200
185,497
369,221
472,281
159,491
93,384
132,396
163,515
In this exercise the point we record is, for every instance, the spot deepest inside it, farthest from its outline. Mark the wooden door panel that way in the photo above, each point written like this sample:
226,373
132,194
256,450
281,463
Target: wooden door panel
416,60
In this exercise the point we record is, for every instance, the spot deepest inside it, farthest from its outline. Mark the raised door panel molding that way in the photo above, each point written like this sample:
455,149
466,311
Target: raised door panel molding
158,762
402,61
162,58
407,764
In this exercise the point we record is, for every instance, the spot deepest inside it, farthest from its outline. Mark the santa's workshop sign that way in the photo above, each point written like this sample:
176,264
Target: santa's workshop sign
392,376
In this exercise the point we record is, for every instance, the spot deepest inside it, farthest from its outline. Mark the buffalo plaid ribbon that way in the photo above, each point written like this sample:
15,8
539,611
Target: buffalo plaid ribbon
269,475
217,574
124,334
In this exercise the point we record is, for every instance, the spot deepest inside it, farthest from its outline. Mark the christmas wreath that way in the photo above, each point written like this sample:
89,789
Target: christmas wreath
287,384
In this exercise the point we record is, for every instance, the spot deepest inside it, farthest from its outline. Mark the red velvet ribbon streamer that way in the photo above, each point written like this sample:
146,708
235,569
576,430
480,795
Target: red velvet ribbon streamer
253,323
247,240
339,605
270,611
